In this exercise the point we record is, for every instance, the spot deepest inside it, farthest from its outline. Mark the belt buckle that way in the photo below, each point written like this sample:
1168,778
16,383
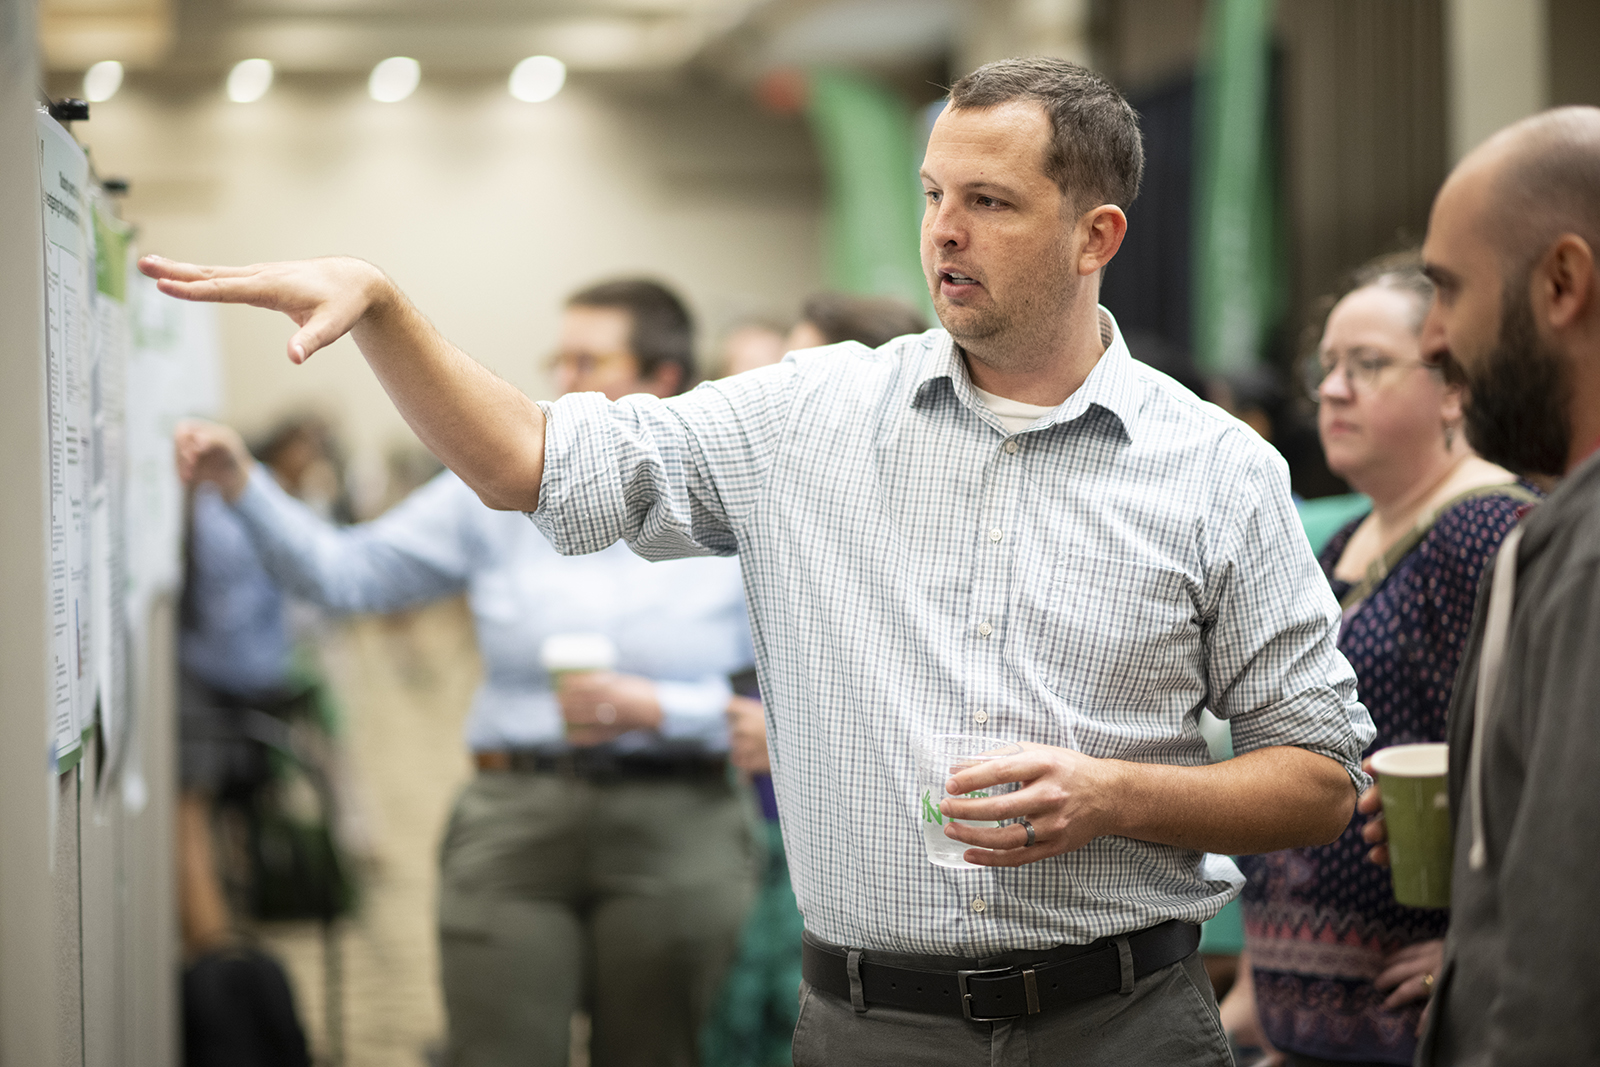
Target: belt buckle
966,994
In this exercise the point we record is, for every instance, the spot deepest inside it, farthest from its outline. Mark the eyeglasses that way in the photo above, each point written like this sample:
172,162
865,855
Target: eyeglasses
583,364
1362,370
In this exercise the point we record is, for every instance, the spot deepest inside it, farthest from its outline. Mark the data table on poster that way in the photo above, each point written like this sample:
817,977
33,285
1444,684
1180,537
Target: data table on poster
69,286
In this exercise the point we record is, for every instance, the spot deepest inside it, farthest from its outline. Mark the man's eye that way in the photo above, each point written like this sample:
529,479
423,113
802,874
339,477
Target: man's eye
932,195
1371,365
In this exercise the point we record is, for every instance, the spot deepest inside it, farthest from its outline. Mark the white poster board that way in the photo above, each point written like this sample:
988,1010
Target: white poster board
69,310
111,340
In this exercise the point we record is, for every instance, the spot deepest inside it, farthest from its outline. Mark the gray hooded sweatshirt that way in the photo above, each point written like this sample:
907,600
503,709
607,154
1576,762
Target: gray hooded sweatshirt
1521,977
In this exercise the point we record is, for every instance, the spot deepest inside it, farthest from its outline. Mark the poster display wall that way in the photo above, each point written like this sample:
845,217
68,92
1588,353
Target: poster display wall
124,364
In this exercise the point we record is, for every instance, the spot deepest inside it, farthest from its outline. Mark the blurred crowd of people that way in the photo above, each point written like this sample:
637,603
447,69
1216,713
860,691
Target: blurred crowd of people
618,851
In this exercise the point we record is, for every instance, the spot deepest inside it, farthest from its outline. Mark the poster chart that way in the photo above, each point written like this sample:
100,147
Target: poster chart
69,309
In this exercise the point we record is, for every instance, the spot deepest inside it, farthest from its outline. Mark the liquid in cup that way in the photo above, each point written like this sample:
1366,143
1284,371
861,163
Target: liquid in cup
939,757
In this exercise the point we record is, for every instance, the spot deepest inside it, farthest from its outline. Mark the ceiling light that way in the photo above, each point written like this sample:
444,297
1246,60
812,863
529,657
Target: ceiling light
394,79
538,78
101,81
249,80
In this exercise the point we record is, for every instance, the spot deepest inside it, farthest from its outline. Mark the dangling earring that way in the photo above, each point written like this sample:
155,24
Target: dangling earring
1449,437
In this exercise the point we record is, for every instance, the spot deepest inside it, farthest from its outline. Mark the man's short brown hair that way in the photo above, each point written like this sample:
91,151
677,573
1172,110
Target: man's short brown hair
661,332
1096,153
872,320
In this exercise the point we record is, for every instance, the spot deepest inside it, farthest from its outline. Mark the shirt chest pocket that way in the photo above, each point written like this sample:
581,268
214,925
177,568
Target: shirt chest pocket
1116,634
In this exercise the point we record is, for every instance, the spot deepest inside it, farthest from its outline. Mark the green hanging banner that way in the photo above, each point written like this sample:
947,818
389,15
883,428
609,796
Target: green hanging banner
865,137
1239,292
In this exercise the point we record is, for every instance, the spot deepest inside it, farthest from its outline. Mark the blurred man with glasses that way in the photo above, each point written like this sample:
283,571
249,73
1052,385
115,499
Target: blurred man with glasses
600,859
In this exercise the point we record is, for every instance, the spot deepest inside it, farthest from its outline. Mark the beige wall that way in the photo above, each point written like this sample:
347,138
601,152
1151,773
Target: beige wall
1499,66
485,210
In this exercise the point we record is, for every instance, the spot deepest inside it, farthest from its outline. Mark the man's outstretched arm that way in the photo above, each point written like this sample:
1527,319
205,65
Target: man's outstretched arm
478,424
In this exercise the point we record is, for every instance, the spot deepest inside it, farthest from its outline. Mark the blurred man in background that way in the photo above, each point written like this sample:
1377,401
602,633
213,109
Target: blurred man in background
829,318
600,859
1512,248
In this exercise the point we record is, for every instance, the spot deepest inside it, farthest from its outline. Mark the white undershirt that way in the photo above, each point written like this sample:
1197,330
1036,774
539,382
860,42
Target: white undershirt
1014,415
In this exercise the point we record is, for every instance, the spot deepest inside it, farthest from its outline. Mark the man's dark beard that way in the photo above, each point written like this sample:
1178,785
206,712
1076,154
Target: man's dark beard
1516,414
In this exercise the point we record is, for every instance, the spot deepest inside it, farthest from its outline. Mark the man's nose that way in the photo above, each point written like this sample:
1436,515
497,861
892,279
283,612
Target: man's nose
945,225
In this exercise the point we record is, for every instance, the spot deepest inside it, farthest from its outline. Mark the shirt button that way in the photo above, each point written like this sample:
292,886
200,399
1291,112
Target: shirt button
980,716
1011,448
978,905
984,629
995,534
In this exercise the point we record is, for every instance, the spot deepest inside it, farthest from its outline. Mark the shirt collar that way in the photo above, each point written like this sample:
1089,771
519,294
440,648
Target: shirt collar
1112,386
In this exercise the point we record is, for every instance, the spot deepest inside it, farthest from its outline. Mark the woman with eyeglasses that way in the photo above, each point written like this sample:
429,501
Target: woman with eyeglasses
1335,971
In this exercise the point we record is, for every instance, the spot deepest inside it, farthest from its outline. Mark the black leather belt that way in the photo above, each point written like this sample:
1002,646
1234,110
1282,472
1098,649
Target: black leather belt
1047,979
601,764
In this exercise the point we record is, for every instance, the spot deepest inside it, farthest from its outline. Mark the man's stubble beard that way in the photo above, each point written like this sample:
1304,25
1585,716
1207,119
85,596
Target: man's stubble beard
1517,406
1002,339
970,324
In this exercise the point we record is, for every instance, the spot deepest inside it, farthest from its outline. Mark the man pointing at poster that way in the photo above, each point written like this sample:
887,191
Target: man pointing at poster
1005,528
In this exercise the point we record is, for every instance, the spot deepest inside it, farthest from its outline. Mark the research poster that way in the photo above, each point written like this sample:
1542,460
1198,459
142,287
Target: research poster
109,580
69,308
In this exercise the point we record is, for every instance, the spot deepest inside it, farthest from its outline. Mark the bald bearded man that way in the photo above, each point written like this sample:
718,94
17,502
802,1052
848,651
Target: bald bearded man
1511,246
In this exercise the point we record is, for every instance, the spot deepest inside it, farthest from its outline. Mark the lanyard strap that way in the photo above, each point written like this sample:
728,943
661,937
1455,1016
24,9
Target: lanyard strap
1497,627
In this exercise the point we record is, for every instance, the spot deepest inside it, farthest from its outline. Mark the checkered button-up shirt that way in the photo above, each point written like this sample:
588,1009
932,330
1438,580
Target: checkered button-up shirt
913,569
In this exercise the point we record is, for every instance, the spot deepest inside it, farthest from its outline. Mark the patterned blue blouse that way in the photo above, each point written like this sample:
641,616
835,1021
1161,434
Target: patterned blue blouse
1319,921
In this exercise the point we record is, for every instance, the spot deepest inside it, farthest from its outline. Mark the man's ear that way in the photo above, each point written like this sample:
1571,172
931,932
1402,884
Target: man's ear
1453,407
1102,229
1564,283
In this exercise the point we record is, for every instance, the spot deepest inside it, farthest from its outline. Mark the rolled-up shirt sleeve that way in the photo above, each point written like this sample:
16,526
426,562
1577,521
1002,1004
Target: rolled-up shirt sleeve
1274,668
672,477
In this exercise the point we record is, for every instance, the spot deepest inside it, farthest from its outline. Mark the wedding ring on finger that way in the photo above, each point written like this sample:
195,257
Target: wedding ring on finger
1028,826
1427,982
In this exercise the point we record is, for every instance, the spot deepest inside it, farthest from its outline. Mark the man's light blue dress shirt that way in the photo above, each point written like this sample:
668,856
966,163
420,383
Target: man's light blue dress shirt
683,624
235,634
912,569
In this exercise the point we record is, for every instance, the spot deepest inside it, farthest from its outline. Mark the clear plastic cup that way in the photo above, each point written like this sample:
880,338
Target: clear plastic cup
939,757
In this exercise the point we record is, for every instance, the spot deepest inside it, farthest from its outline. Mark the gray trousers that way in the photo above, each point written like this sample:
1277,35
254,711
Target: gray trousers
1170,1018
624,898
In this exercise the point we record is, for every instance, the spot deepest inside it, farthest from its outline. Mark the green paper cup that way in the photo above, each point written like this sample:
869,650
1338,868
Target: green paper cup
1416,812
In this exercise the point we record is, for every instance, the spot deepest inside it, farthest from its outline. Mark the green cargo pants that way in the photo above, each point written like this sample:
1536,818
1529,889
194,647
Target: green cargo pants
622,897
